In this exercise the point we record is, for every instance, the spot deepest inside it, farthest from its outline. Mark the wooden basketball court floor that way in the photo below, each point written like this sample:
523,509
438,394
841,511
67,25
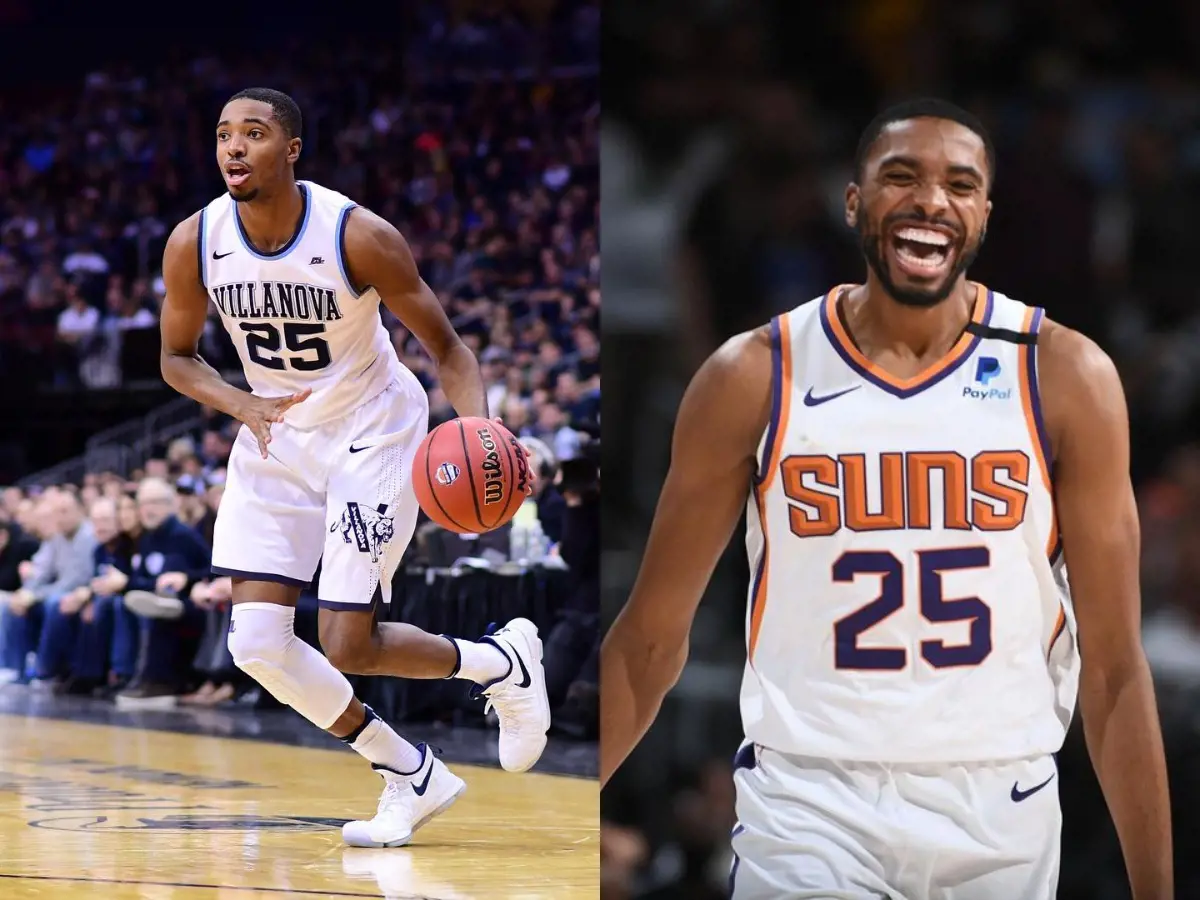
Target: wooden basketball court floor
106,812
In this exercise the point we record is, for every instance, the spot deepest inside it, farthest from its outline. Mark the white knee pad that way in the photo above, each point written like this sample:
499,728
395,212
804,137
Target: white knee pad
263,643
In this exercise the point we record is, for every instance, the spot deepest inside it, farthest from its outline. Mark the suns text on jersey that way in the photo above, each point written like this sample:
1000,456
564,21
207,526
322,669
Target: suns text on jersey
911,490
290,300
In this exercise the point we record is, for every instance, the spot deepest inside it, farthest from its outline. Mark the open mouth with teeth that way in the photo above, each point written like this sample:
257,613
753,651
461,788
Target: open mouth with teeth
922,252
236,174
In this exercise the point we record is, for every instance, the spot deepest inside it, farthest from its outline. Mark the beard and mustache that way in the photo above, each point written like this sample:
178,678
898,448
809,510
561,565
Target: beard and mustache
873,249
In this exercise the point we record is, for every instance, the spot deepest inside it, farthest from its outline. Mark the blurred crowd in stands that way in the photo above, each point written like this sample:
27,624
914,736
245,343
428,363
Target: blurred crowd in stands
477,138
106,589
728,141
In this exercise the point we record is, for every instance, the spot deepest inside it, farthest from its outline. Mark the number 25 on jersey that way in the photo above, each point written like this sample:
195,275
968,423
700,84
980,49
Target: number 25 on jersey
985,493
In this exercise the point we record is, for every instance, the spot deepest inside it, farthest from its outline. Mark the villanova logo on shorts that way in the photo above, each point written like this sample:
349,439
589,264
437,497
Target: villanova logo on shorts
986,370
369,528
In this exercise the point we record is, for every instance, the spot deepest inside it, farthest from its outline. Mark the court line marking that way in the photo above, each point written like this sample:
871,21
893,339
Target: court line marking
185,884
58,715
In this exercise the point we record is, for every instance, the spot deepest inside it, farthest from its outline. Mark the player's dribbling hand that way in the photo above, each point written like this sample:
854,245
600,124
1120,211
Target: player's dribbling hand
531,475
258,413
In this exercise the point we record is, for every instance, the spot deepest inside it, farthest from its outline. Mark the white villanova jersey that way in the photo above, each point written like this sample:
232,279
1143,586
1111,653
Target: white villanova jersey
294,317
908,601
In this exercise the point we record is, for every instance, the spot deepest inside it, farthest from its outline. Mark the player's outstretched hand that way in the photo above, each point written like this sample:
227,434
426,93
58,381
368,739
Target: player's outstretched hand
260,412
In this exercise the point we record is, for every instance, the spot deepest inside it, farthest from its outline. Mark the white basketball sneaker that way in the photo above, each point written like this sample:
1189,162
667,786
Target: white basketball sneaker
408,802
519,698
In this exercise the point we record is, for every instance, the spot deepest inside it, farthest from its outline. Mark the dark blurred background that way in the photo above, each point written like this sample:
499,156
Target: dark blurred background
470,125
727,144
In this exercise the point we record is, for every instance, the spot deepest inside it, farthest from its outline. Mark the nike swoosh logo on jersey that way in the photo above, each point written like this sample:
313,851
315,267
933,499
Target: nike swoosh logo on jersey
1018,795
354,449
420,789
217,255
810,400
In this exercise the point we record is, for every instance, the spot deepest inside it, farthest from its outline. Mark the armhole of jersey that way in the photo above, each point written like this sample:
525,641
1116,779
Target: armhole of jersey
781,395
343,220
201,255
1035,421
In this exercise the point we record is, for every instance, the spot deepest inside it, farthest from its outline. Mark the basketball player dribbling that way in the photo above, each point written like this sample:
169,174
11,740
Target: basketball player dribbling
918,457
320,468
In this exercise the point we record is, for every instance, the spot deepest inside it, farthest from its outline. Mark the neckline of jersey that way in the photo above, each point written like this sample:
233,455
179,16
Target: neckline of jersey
283,251
839,337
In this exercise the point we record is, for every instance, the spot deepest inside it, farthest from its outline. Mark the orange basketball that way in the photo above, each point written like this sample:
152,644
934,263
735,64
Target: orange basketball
470,475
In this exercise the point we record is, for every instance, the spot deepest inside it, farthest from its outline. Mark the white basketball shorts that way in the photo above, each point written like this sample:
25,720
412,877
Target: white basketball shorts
338,494
810,828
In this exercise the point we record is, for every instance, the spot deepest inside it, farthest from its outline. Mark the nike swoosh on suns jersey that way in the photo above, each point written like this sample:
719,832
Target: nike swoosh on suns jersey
1018,795
810,400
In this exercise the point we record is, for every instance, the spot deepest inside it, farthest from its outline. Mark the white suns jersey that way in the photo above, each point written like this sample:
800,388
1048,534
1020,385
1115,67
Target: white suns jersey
908,602
294,317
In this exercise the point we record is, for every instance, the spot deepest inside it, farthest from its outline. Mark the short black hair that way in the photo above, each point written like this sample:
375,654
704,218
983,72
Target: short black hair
922,108
284,107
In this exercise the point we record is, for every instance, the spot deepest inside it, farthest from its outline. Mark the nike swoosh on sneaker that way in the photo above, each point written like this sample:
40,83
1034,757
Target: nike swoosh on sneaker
810,400
1018,795
526,680
420,789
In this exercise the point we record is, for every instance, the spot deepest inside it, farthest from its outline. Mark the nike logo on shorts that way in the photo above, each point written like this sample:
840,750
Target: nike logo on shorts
810,400
1018,795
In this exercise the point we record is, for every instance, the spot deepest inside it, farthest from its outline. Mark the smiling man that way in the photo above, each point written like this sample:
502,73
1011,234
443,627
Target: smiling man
920,459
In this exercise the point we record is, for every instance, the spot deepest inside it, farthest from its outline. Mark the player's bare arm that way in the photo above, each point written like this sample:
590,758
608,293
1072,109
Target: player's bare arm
184,312
378,256
1089,428
721,421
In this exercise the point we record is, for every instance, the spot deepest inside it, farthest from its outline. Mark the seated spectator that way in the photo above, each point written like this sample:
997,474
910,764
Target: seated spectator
78,323
553,428
61,564
170,558
126,311
572,647
550,503
104,635
213,660
16,547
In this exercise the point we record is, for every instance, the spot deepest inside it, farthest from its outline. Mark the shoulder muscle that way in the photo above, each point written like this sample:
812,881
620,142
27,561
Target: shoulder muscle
730,398
376,252
185,307
181,257
1081,390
